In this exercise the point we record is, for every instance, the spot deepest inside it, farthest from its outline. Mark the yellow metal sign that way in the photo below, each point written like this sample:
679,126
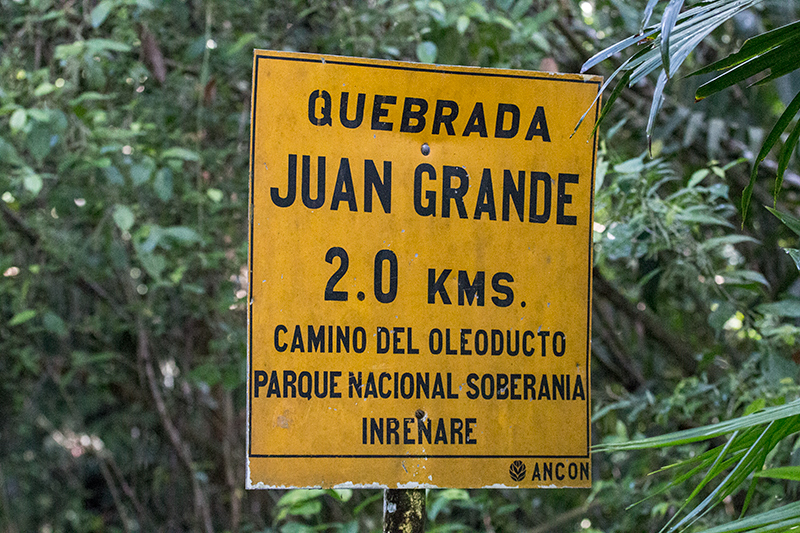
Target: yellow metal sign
420,273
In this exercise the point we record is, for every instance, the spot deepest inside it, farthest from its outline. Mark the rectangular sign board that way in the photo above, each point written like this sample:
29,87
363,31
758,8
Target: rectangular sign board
420,275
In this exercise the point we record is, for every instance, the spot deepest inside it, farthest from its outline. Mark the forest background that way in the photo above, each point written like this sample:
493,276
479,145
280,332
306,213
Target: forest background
123,244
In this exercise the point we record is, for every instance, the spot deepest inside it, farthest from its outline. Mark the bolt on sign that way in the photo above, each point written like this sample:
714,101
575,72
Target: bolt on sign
420,273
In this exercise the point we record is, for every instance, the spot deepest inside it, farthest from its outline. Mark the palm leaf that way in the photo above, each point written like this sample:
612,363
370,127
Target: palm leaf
648,11
766,146
780,519
668,21
753,47
711,431
740,72
784,472
667,45
752,438
785,156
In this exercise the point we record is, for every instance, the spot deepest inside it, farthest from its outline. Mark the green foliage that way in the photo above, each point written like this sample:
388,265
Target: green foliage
760,438
123,213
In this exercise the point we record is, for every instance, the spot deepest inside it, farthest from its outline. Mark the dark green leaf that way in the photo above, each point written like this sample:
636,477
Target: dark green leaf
741,72
162,185
113,175
753,47
40,140
53,323
611,99
141,171
8,154
769,142
784,308
785,156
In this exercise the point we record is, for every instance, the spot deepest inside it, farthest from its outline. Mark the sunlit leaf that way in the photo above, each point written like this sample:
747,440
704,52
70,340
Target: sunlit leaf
716,242
215,195
18,119
293,497
22,317
780,519
32,183
100,13
611,50
123,217
180,153
426,52
648,11
462,24
182,233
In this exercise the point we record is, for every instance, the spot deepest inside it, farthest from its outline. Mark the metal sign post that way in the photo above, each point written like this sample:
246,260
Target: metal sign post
420,276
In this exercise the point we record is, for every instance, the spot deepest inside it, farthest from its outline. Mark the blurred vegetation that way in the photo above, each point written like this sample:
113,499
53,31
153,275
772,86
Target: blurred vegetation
123,240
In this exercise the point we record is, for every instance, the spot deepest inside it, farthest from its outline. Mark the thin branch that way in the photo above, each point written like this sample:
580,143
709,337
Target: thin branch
574,43
5,506
181,448
126,488
86,283
229,460
112,487
630,374
682,352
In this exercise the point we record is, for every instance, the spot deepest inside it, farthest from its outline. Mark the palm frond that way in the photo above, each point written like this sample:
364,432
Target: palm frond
669,43
742,456
666,46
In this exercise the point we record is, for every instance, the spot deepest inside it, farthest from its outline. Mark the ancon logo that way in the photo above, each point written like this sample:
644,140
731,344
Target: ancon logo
517,470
